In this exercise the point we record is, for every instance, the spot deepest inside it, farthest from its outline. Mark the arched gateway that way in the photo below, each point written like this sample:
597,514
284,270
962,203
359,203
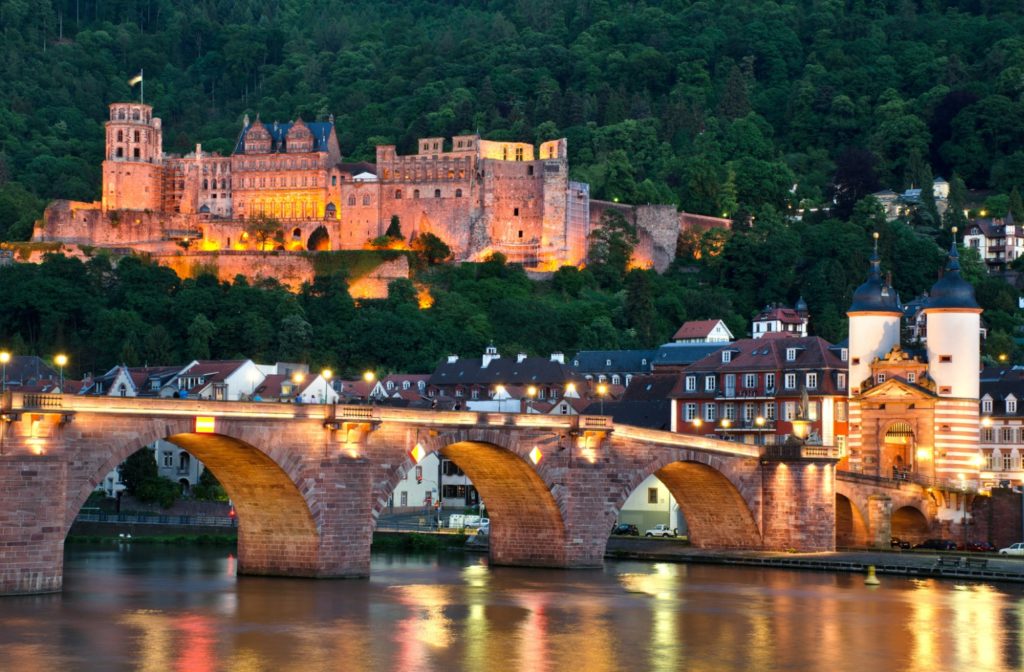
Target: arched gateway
309,481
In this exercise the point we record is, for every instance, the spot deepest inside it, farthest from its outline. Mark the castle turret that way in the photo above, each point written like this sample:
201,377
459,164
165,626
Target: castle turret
874,323
133,165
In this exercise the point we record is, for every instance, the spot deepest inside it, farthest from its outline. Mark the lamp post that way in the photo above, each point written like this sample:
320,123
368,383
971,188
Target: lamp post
369,377
4,358
531,392
327,375
297,378
499,394
61,361
602,390
759,423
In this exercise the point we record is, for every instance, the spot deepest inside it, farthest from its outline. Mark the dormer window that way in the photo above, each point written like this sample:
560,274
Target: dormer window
691,383
726,356
790,354
841,381
844,354
1011,405
986,405
607,362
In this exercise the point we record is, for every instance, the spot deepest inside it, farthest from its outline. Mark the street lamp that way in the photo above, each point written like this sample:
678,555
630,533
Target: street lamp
602,390
61,361
369,377
4,358
531,392
297,379
499,393
327,375
697,422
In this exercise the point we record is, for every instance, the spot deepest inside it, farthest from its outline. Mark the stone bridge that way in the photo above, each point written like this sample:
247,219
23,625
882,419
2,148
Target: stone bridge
309,481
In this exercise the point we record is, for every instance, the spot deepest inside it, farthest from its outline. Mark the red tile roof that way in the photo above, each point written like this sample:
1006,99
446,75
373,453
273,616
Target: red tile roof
695,329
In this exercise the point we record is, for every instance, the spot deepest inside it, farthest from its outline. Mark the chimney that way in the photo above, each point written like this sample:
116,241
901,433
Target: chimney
558,357
520,358
490,354
452,359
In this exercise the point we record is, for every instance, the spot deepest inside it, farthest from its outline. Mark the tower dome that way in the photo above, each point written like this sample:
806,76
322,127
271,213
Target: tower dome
875,295
952,291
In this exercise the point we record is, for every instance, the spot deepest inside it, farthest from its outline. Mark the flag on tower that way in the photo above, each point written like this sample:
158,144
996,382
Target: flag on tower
136,79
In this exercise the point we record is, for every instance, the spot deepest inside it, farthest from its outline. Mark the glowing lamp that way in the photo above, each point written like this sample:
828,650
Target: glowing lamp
986,421
5,357
536,455
759,421
697,422
726,423
923,454
417,453
801,429
531,391
206,424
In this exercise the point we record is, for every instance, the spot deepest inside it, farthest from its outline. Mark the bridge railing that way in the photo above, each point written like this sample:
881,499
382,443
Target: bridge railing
794,451
945,484
158,519
31,401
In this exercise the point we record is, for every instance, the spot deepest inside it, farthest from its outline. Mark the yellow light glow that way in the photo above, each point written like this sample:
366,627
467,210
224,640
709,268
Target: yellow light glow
60,360
531,391
536,455
759,421
986,421
570,388
417,453
602,389
298,377
205,424
369,376
697,422
5,357
979,461
327,374
726,423
423,298
923,454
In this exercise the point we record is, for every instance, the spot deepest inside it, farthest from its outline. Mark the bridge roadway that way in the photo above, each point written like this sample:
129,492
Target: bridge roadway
309,481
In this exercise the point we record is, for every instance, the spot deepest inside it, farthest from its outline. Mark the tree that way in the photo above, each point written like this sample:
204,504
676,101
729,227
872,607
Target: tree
263,229
430,249
200,333
138,469
394,229
611,248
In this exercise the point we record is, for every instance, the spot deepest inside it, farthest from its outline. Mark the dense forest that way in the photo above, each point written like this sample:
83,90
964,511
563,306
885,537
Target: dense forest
756,110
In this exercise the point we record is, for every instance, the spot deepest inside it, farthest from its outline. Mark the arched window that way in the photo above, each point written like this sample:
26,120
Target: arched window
206,184
352,200
615,380
366,199
437,193
120,136
398,194
458,193
223,184
135,152
135,115
120,152
451,174
415,193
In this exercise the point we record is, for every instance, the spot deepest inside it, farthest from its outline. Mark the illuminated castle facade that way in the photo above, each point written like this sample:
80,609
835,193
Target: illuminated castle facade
478,196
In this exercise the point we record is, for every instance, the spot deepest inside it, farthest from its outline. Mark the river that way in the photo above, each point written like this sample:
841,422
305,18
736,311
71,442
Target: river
184,609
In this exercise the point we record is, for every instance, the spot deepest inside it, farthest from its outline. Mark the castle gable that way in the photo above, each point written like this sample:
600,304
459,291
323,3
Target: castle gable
895,389
316,135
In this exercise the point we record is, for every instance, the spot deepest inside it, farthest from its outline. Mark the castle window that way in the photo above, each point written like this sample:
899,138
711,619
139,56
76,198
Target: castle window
398,193
366,199
135,115
334,180
451,174
120,136
136,136
296,233
458,193
462,174
351,200
435,146
520,233
415,193
206,184
515,212
437,193
945,359
120,152
135,152
519,153
529,170
223,184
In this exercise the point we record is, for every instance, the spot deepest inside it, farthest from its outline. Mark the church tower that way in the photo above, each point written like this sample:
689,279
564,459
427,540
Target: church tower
954,362
133,164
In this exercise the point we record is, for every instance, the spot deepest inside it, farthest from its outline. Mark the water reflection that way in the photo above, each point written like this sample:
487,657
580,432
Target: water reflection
186,611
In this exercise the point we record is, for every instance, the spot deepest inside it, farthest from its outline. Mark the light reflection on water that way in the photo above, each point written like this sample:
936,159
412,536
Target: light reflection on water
183,610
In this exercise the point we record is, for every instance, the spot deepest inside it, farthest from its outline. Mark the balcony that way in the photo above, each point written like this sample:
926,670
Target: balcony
748,426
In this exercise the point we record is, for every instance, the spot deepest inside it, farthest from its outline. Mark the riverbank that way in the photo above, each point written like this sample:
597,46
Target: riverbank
952,565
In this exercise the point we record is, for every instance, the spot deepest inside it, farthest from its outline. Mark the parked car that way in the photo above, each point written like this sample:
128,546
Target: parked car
896,542
626,528
937,545
476,522
1013,549
660,530
979,547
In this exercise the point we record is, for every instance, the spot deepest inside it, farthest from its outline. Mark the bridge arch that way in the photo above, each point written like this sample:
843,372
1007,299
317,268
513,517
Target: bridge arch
528,522
851,524
910,523
713,498
278,527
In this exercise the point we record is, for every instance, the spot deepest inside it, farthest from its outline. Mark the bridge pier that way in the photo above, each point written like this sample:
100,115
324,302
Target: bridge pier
879,521
798,502
31,524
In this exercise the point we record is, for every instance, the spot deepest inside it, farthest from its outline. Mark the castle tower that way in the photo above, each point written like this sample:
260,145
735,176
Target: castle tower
874,331
874,323
954,361
133,163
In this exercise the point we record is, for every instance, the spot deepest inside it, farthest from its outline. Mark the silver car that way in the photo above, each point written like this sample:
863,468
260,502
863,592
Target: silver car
1013,549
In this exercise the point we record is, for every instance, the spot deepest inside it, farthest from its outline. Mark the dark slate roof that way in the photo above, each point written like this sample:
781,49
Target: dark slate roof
875,295
1009,382
321,131
622,361
683,354
651,413
532,370
952,291
29,370
650,387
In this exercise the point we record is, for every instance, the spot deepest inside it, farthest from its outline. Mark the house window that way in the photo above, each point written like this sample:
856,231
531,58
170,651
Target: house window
749,408
841,411
690,411
986,405
812,410
841,381
880,378
855,361
844,354
789,410
168,459
652,495
750,381
437,193
726,356
769,382
1006,435
945,390
729,411
790,381
709,383
1007,462
769,410
615,379
691,383
841,445
912,377
475,394
1011,405
790,354
710,412
812,381
404,498
988,435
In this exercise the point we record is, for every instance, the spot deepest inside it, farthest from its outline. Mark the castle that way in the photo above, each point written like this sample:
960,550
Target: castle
478,196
